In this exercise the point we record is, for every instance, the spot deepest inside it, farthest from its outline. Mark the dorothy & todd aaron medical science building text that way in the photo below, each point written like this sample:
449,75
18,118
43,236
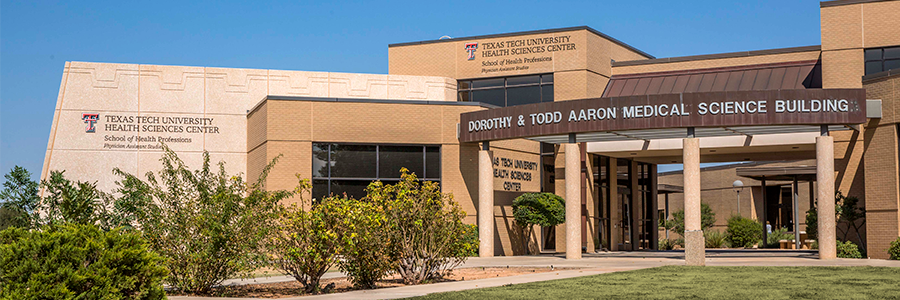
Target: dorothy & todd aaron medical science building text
569,111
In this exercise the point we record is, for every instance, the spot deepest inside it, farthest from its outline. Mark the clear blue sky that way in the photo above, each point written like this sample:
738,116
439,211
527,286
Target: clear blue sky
38,37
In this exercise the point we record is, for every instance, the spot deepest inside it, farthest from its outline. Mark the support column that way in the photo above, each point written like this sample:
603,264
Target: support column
485,202
695,246
615,214
825,176
796,204
765,214
573,199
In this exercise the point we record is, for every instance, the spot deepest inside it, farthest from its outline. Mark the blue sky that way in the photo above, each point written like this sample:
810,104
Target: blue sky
38,37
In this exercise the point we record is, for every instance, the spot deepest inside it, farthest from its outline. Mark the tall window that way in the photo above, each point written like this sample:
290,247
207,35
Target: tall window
882,59
508,91
349,168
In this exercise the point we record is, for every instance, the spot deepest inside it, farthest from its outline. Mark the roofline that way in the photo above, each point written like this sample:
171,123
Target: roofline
365,100
834,3
881,75
489,36
716,56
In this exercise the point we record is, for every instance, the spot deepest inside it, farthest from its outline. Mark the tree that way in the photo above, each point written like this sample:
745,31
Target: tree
424,227
367,255
20,200
72,202
707,219
210,226
847,210
542,209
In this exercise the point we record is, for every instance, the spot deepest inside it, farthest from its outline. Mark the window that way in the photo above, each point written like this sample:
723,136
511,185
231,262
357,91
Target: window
349,168
508,91
882,59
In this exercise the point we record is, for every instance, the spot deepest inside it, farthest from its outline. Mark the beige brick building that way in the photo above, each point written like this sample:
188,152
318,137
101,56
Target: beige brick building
344,130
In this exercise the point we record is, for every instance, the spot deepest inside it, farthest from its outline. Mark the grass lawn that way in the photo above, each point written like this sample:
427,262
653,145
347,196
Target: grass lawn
681,282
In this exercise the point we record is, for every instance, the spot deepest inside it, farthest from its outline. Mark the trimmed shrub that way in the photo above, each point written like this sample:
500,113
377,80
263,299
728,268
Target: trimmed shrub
77,261
773,240
894,250
541,209
848,250
424,227
743,232
715,239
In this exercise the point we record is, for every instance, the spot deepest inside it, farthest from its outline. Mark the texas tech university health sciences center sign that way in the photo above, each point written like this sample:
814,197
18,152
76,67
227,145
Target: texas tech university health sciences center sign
122,131
711,109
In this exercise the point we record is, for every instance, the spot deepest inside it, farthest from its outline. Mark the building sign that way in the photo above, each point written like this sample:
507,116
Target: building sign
711,109
518,53
132,131
516,172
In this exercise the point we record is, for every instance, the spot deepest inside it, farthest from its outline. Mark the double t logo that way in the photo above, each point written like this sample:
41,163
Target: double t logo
90,120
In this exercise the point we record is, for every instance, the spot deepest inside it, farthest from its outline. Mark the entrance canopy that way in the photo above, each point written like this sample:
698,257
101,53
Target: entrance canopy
648,117
784,173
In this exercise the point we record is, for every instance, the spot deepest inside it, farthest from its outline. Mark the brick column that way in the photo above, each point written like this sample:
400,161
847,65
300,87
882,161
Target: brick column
485,203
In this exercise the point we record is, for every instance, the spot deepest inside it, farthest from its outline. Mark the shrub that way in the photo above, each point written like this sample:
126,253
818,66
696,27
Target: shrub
773,240
666,244
210,226
366,242
707,219
76,261
308,242
743,232
541,209
894,250
424,227
848,250
469,241
812,224
715,239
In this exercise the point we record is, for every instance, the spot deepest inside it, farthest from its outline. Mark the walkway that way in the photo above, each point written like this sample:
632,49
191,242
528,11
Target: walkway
591,264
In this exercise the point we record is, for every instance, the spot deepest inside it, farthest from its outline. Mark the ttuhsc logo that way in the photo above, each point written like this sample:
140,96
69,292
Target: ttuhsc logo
470,47
90,120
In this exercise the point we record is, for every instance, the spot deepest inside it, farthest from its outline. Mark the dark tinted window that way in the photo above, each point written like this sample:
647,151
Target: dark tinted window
353,161
392,158
345,168
432,162
492,96
508,91
536,79
523,95
882,59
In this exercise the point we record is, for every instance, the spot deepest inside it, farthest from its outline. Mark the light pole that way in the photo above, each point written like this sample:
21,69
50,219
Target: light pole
738,186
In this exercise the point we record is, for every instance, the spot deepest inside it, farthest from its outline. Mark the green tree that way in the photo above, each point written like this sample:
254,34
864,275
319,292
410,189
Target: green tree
541,209
424,227
78,261
707,219
367,255
19,200
72,202
210,226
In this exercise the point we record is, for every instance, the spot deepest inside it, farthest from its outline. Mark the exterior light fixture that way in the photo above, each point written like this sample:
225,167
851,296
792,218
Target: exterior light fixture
738,186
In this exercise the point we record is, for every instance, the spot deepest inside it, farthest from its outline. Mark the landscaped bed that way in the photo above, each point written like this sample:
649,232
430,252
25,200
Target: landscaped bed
680,282
293,288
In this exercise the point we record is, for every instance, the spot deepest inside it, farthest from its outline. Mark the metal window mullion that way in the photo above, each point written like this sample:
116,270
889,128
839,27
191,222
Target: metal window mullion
328,182
377,161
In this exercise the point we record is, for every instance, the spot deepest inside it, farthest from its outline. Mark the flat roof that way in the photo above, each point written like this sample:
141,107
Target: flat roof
847,2
489,36
716,56
780,173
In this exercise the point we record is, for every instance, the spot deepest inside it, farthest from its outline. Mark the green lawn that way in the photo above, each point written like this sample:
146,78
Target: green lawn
680,282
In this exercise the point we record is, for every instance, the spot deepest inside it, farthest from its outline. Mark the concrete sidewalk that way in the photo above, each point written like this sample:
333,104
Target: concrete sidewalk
590,265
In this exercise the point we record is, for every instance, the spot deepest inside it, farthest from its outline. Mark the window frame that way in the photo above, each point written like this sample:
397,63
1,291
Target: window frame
882,60
544,79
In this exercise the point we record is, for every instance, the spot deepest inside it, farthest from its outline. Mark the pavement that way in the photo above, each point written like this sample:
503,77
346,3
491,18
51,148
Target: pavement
591,264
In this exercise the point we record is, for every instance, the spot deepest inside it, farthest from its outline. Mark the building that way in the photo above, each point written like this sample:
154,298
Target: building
447,109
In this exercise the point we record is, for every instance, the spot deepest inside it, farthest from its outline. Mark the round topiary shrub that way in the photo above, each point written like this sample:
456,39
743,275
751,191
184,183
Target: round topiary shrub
894,250
848,250
78,262
743,232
